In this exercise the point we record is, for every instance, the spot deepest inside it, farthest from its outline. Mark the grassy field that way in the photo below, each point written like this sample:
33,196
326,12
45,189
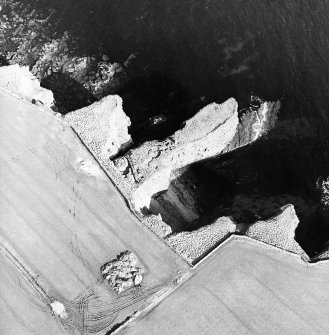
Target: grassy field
61,220
245,287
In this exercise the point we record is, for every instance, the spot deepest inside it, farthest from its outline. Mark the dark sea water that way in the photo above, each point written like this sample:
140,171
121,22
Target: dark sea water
218,48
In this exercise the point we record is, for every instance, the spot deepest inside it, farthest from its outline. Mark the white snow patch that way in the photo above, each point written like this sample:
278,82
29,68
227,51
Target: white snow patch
59,309
20,80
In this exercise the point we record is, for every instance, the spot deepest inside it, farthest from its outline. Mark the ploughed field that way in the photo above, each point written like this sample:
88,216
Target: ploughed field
61,220
244,287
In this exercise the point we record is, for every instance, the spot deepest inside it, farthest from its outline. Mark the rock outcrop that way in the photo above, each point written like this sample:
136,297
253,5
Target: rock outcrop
278,231
98,78
20,80
257,204
321,256
161,191
323,187
205,135
103,126
123,273
254,124
193,245
178,204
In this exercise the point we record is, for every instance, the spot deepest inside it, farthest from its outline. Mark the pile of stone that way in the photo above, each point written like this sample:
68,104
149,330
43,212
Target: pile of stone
123,272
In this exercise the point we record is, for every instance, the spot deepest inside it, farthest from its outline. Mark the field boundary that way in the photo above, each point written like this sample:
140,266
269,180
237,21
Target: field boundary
247,239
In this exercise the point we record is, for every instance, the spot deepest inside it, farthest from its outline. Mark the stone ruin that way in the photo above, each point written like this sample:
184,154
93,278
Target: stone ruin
123,272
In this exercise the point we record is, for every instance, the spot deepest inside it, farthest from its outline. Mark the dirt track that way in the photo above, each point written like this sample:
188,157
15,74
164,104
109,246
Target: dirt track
63,219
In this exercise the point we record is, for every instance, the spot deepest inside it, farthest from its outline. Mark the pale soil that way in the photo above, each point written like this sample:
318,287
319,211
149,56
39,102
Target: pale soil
64,219
244,287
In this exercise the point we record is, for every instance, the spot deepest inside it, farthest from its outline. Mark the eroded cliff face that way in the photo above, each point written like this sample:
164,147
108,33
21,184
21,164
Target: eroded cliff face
203,136
255,122
226,160
198,183
171,188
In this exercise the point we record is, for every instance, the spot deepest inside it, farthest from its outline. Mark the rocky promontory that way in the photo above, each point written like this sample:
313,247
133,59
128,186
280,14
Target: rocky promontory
182,158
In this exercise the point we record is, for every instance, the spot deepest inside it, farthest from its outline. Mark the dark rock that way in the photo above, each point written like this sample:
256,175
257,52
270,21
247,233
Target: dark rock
105,58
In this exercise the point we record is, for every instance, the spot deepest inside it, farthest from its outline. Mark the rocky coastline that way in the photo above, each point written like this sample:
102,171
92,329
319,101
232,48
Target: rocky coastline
193,169
174,207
